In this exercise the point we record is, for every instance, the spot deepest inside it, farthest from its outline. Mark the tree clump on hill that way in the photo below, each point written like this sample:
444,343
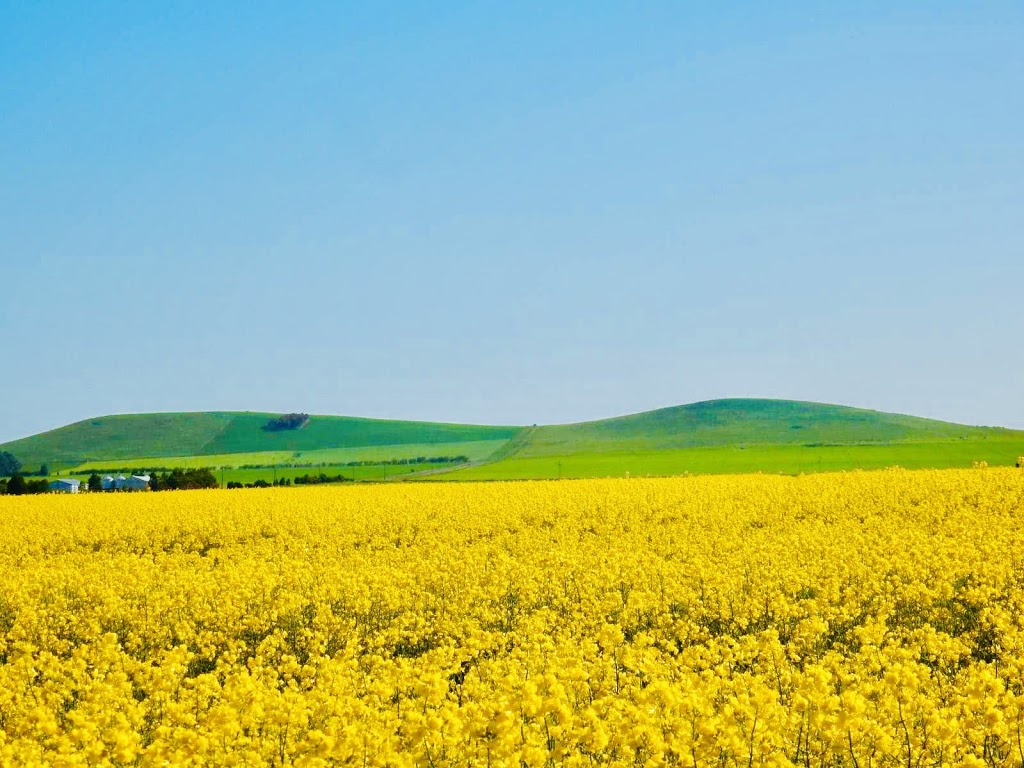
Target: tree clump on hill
287,422
9,465
184,480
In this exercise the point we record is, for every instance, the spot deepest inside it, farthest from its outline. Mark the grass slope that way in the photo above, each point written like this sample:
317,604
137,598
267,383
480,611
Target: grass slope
111,438
741,423
736,436
714,436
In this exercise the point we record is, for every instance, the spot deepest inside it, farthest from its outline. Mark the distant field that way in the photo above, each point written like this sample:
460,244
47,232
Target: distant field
786,459
475,450
372,472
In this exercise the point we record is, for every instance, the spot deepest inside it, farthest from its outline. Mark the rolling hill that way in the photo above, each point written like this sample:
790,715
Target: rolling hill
738,422
745,435
717,435
156,435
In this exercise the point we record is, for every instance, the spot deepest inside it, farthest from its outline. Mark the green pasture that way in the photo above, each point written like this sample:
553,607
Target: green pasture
786,459
475,450
367,473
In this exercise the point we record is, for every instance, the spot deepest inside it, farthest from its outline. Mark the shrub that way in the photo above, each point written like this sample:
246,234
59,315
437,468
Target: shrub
289,421
16,486
9,465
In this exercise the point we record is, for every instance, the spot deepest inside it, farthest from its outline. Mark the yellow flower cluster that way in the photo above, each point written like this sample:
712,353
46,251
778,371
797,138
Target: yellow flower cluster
860,620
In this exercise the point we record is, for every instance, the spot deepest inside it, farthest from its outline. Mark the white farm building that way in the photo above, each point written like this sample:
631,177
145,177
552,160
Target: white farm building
65,485
122,483
136,483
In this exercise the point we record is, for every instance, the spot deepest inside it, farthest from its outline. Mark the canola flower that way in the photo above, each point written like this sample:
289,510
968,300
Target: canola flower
858,619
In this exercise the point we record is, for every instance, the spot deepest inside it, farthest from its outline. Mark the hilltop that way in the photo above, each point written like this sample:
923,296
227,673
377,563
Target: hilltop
743,422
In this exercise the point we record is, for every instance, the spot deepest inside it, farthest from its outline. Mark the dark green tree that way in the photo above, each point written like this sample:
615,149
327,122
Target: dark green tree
95,482
184,479
37,486
9,465
44,470
289,421
16,485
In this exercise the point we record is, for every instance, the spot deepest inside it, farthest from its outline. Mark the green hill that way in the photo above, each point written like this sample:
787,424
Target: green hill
721,436
155,435
742,422
717,435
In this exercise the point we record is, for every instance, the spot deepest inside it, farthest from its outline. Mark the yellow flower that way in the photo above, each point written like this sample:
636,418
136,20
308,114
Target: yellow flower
868,618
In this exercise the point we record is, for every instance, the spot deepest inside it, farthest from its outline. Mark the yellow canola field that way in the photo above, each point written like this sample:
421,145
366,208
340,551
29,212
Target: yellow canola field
861,619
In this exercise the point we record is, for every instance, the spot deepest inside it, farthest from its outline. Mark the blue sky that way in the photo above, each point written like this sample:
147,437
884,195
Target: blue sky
509,213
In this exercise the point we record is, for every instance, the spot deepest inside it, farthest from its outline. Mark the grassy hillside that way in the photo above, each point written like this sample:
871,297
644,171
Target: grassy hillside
193,434
714,436
740,423
735,436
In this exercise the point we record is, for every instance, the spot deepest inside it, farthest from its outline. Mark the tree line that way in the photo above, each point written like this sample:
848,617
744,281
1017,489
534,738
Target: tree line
460,459
260,483
287,481
17,485
183,480
321,478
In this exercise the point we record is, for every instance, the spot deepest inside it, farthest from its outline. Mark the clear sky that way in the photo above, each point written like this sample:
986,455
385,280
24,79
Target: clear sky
525,212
